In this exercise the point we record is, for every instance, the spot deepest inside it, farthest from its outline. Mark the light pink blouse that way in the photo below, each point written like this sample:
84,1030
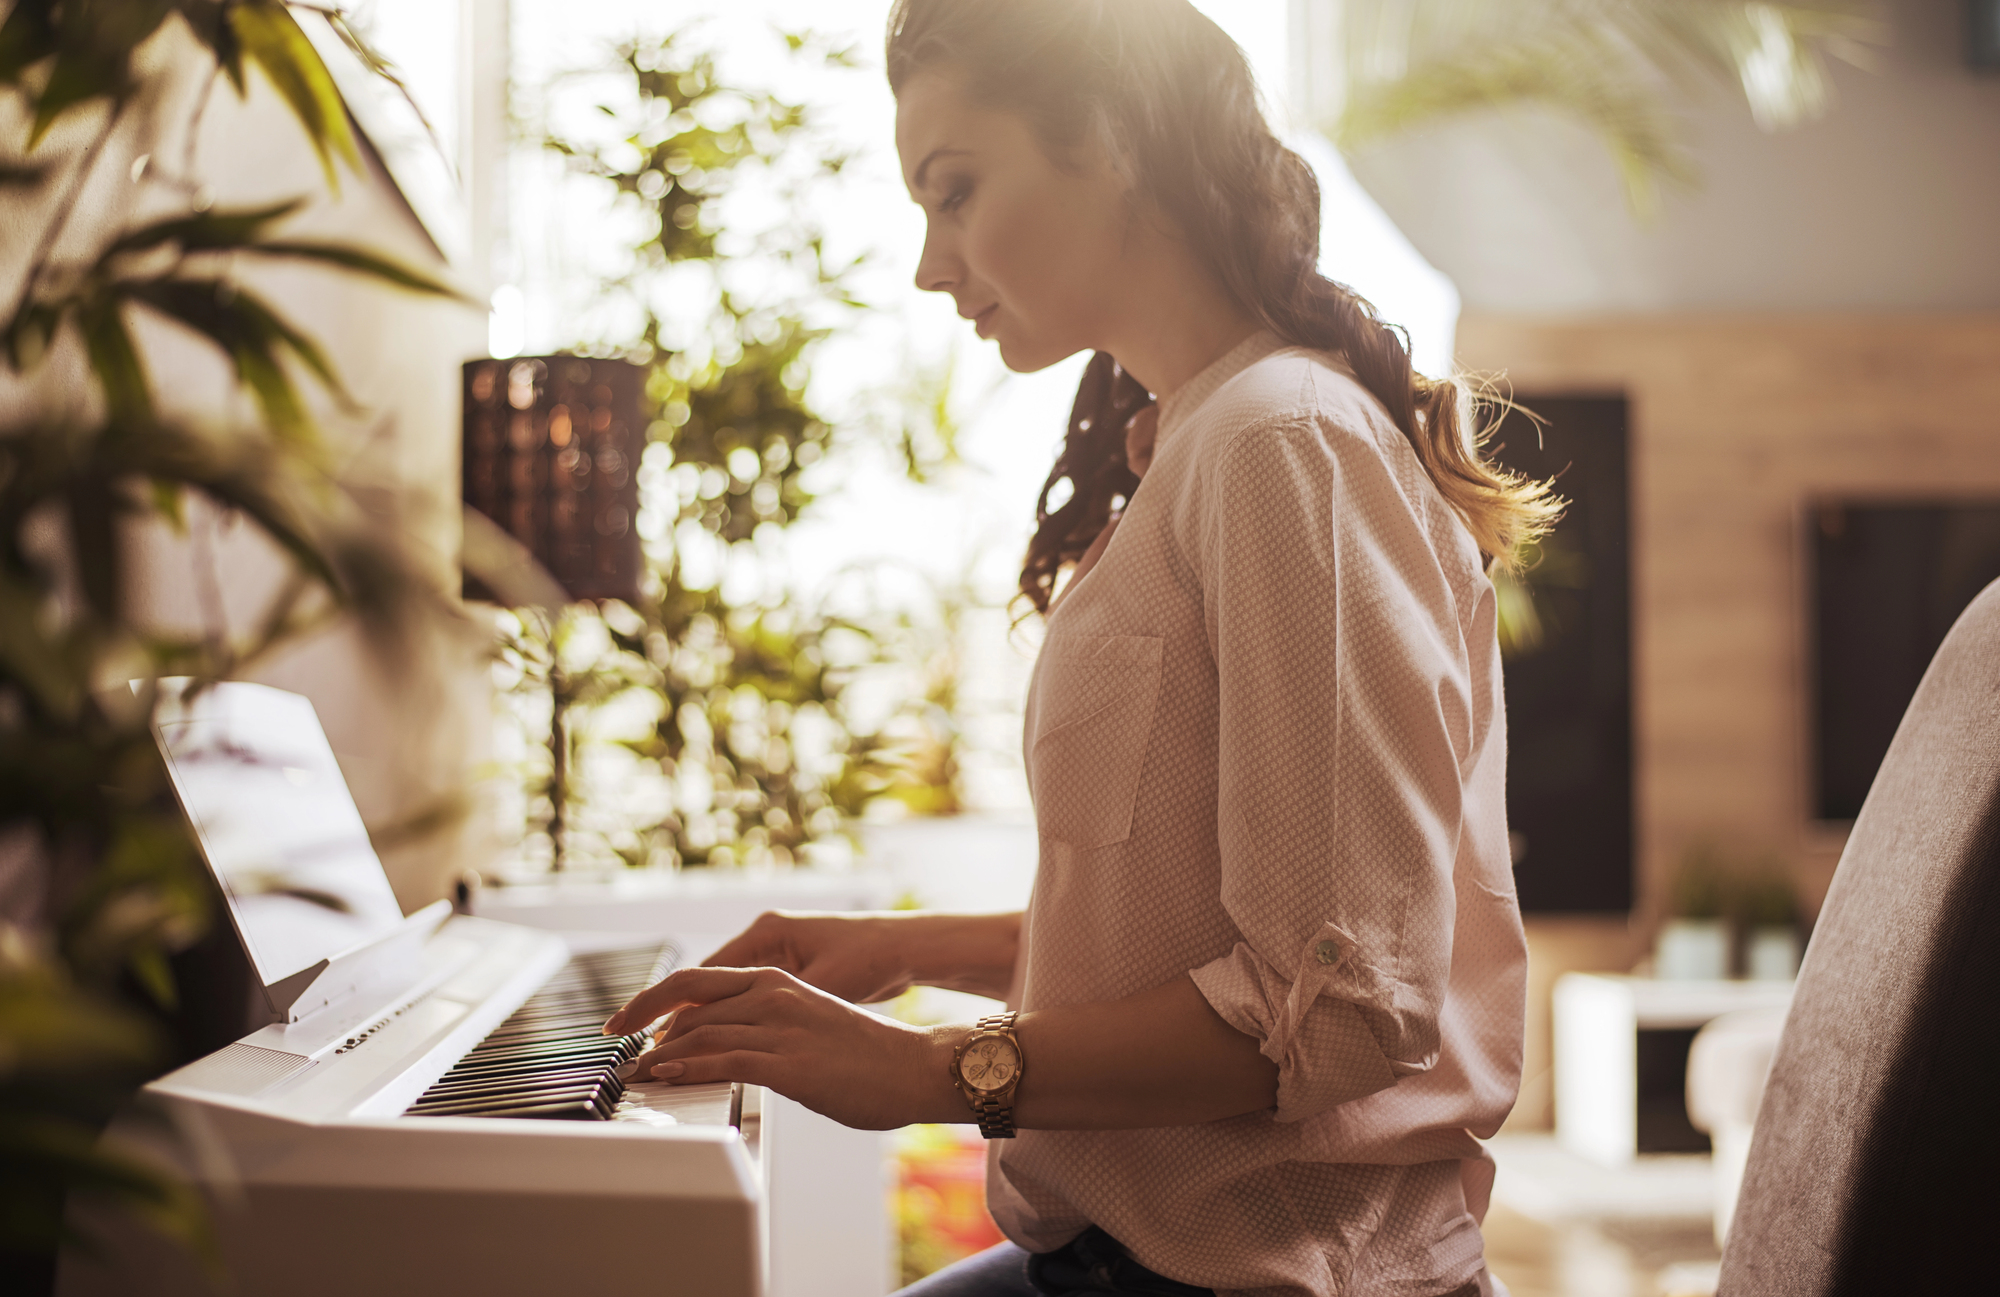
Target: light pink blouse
1267,747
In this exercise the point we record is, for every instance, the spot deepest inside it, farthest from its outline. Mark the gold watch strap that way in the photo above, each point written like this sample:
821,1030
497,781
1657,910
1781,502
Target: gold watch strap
996,1119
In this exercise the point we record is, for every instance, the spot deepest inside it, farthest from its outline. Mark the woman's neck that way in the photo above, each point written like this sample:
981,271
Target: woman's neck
1177,319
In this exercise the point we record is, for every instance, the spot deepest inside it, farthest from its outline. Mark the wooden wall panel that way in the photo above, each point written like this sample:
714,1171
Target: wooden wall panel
1736,421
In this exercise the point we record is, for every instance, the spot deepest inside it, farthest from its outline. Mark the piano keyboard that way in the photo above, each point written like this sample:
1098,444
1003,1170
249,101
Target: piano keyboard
550,1059
328,1179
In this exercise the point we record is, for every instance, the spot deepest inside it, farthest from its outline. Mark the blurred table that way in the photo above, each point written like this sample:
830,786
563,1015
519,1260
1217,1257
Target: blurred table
1598,1018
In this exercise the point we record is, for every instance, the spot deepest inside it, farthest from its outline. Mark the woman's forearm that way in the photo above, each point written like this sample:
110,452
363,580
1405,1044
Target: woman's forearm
1163,1057
963,952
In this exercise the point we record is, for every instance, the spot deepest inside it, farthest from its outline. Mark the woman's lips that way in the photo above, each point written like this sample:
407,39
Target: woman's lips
984,319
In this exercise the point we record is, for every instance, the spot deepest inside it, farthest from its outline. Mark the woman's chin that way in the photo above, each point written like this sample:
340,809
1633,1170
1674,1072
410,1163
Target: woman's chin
1026,356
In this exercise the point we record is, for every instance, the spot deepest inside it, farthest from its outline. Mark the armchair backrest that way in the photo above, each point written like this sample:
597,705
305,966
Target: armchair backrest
1875,1167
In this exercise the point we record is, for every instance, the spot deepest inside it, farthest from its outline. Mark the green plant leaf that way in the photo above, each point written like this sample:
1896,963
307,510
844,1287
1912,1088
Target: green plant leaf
93,46
29,334
115,361
167,501
27,36
93,535
32,654
1606,64
20,175
361,261
1578,72
271,38
211,231
249,475
72,81
373,60
252,335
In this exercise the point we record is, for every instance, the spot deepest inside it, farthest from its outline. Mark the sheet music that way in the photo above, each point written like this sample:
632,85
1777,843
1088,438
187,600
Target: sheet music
260,784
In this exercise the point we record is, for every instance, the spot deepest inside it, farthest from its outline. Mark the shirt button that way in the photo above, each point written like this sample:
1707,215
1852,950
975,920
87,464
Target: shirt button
1327,952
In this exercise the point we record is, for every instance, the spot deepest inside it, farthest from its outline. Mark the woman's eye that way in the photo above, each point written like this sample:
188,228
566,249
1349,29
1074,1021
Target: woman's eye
955,199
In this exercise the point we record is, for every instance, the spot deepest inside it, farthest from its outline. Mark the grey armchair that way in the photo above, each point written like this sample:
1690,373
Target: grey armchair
1875,1167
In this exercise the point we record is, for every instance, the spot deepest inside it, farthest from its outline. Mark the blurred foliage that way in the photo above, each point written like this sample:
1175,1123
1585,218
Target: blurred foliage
1700,888
1749,889
1536,601
100,880
1608,64
754,733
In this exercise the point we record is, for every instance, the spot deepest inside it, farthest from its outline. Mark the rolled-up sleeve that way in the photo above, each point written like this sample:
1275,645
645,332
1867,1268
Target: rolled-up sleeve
1344,720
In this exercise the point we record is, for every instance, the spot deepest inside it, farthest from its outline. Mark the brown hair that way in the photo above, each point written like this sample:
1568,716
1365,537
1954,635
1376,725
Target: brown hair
1171,98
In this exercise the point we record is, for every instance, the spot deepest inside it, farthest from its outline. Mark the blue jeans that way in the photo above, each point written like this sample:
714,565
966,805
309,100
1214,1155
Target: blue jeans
1091,1265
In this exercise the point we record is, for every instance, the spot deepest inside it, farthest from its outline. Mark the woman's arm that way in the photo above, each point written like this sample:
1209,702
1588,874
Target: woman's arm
1159,1058
869,957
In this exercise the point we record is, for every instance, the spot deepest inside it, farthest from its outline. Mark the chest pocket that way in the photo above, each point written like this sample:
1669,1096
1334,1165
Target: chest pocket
1091,719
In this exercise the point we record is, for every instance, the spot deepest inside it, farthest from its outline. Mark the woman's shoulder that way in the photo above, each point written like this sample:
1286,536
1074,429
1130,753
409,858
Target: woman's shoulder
1292,387
1297,424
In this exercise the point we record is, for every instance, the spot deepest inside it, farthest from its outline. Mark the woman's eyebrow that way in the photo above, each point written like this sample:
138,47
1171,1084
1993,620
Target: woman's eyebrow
944,150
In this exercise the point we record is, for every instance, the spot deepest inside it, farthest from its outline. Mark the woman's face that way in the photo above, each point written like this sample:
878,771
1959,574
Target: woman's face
1032,253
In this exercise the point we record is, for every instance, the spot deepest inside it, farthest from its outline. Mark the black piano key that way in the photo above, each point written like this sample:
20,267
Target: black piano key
579,1084
616,1051
582,1107
550,1058
507,1082
541,1087
513,1081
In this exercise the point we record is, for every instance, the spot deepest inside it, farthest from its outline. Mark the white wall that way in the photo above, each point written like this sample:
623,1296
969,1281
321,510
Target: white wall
1891,202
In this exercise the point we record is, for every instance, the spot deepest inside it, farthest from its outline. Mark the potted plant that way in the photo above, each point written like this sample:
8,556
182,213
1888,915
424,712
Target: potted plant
99,883
1693,944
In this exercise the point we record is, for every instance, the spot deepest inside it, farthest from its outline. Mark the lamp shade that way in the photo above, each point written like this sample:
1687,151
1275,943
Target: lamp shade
551,455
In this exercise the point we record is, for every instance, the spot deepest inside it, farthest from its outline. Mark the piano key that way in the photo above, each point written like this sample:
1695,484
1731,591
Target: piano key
500,1105
616,1051
582,1109
506,1083
550,1058
546,1092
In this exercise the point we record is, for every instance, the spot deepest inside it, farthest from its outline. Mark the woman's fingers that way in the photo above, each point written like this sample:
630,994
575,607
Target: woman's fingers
764,944
769,942
689,986
703,1042
747,1066
769,1002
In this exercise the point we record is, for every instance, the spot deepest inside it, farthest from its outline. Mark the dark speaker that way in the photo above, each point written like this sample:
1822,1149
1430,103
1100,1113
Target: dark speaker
1566,652
1887,582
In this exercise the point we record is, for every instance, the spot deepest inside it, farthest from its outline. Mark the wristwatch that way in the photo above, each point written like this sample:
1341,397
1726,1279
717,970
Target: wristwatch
986,1068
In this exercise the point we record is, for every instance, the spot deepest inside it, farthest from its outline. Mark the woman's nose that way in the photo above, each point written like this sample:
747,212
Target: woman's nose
937,268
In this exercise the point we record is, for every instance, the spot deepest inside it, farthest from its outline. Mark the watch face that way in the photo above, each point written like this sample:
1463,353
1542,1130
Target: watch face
990,1064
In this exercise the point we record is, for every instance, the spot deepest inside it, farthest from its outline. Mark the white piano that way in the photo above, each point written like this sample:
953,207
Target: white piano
434,1109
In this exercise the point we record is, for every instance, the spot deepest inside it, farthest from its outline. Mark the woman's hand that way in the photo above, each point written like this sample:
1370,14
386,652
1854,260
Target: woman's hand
867,958
766,1027
858,957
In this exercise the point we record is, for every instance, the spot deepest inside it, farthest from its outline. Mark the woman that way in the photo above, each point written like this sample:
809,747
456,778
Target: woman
1270,984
